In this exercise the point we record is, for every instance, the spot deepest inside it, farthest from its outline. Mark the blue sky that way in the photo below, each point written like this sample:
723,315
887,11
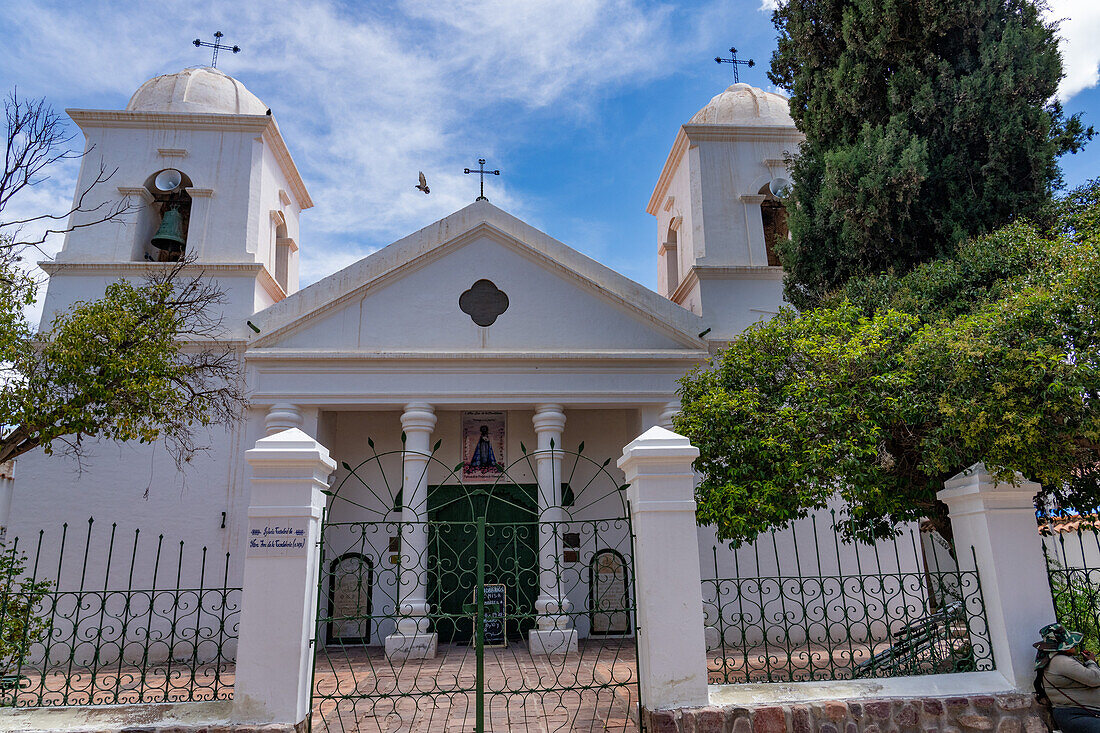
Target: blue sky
576,101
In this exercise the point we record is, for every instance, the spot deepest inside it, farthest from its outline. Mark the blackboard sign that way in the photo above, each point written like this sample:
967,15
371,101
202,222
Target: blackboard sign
495,627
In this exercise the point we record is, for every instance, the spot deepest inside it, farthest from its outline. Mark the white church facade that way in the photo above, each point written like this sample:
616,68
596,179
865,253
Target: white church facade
464,333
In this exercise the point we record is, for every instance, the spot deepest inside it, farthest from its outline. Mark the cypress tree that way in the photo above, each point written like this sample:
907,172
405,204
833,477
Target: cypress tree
926,123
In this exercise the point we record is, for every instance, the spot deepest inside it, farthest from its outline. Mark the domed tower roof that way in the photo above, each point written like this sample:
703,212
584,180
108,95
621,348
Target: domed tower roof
199,89
743,104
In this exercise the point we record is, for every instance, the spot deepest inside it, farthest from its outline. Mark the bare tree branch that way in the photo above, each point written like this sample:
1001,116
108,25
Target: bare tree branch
36,137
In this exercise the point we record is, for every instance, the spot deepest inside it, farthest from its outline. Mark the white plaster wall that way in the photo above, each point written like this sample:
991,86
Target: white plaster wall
137,492
216,159
789,603
242,292
731,303
346,379
138,487
1073,550
728,170
272,180
421,311
680,190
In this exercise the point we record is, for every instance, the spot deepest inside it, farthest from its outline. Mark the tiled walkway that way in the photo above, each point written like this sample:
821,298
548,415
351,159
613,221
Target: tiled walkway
358,689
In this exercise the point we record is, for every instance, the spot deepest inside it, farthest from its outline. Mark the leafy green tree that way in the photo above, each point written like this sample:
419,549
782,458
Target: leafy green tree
898,382
141,363
926,123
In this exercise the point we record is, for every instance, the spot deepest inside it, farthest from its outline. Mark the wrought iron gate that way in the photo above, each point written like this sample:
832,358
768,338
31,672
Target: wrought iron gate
487,556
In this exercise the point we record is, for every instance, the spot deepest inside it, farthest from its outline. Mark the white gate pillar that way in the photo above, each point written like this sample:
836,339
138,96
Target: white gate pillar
412,638
998,521
279,595
555,633
672,657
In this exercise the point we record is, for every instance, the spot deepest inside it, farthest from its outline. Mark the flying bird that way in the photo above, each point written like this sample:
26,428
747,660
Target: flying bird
423,183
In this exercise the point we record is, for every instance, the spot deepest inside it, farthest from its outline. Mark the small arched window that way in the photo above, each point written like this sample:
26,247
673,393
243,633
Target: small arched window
774,216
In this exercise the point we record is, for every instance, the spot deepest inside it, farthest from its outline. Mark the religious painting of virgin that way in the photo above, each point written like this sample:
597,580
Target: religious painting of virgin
482,445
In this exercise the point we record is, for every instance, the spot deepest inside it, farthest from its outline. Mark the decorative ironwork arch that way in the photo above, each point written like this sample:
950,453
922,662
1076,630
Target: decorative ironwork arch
584,483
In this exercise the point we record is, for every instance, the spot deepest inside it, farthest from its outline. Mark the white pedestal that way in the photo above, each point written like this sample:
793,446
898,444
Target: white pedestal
552,641
411,646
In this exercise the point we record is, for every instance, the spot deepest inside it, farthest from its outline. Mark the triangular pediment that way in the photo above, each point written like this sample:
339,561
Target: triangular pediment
406,298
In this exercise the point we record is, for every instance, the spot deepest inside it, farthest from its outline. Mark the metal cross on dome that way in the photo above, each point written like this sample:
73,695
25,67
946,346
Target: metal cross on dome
735,62
481,170
217,45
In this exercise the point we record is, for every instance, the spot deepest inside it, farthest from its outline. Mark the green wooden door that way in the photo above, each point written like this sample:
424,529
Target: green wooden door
511,554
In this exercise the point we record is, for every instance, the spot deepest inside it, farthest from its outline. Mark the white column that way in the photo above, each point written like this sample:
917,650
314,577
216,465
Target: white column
998,521
672,661
413,638
555,633
670,410
282,416
658,414
279,596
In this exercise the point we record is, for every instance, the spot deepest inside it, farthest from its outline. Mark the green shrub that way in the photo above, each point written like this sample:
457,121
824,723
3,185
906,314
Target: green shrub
21,620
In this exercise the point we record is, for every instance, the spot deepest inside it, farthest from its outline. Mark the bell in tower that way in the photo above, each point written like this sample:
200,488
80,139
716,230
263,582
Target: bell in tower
169,236
170,196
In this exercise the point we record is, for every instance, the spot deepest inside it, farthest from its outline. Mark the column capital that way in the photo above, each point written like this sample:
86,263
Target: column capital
549,418
282,416
418,417
669,411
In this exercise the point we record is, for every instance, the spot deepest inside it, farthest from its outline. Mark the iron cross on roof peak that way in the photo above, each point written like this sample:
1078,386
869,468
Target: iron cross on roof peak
735,62
217,45
481,171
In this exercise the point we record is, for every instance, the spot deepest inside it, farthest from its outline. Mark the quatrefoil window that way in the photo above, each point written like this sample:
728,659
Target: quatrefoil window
483,302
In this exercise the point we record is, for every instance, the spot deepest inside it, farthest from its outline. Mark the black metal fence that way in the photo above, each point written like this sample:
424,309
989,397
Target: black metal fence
92,616
800,607
1071,546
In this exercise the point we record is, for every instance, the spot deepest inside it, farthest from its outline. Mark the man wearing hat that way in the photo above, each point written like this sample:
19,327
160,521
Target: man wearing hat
1072,687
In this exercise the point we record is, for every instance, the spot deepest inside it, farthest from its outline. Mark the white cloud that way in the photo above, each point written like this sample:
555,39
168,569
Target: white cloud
1079,30
366,96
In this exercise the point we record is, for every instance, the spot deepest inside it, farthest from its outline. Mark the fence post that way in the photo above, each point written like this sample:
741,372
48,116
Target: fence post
279,594
998,521
672,658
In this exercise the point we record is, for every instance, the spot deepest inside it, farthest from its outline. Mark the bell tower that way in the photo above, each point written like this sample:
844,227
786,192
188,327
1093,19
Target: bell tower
206,175
719,210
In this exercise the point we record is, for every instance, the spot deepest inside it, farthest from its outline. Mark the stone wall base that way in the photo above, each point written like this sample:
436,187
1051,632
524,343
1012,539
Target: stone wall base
1002,713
